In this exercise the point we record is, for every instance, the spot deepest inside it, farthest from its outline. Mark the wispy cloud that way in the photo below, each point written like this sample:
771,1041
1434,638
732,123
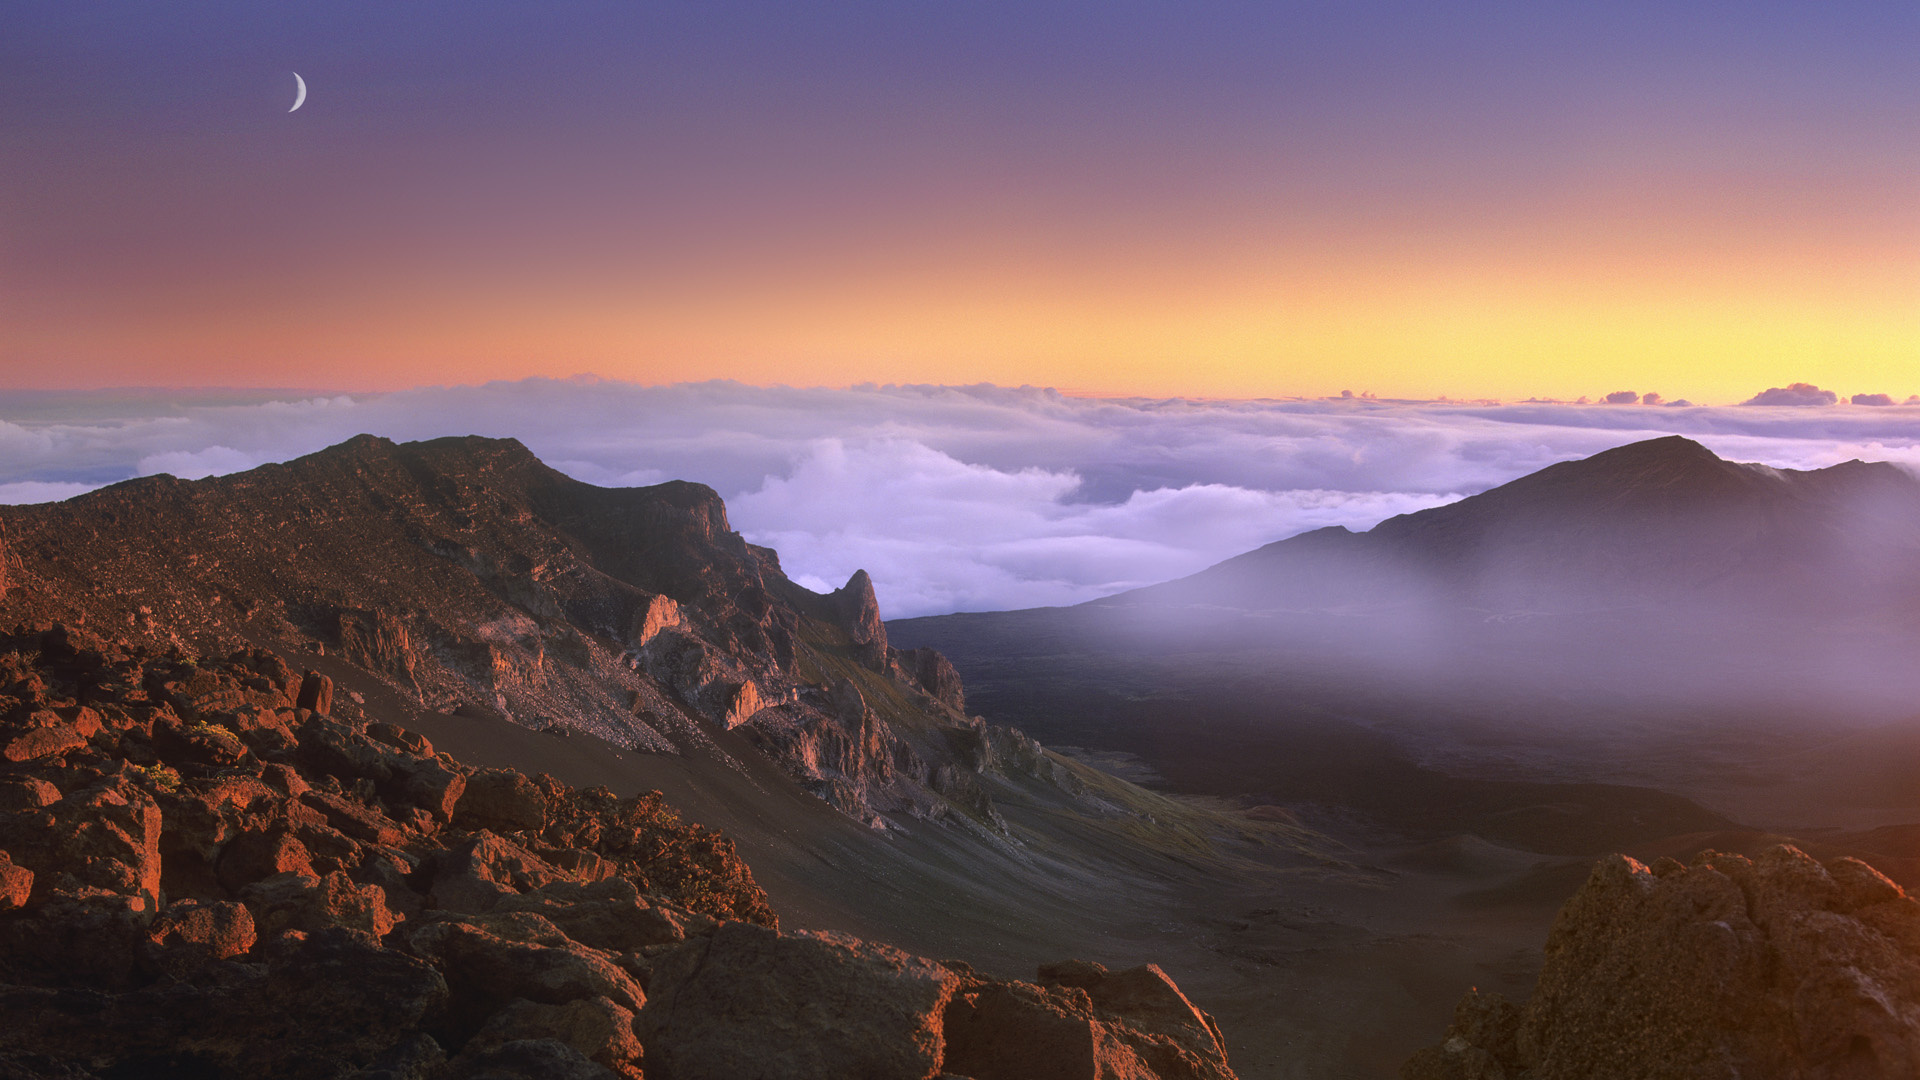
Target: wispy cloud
952,497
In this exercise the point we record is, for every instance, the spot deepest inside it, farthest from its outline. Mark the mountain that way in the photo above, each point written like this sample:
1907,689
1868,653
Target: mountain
1657,524
471,579
420,706
1651,617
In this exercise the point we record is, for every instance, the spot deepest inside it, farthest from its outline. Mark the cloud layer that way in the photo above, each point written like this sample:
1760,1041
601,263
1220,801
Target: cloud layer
954,498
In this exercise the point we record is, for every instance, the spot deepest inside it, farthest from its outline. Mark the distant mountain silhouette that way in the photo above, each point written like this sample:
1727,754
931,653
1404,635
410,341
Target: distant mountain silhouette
1663,521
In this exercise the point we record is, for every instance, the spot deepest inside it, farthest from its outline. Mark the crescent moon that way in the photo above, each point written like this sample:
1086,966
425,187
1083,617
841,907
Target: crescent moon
299,91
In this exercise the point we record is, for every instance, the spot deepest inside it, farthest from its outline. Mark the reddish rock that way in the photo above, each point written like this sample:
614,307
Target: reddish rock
16,884
50,740
857,611
473,877
435,786
79,938
108,836
492,959
316,693
599,1029
610,915
26,793
751,1002
356,819
501,800
1770,967
306,903
188,935
401,739
1139,1026
935,674
255,856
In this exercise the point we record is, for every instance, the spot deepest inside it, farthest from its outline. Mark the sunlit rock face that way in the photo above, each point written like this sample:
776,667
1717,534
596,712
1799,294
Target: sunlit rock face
1777,967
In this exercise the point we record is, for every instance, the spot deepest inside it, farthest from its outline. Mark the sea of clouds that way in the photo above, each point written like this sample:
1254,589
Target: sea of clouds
960,498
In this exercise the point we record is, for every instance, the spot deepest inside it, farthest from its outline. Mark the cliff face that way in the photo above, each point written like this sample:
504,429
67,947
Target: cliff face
467,576
1777,968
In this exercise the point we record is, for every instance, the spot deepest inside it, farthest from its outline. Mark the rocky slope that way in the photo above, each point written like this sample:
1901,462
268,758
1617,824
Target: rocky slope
1777,968
215,866
470,578
208,868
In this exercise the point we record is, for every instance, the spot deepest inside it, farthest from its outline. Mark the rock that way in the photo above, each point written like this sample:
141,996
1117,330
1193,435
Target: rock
492,959
1772,967
356,819
1146,999
329,748
528,1059
303,902
48,741
188,935
857,611
108,836
316,693
608,915
416,1057
338,997
433,786
326,1005
751,1002
26,793
401,739
598,1029
660,613
255,856
501,800
16,884
1086,1024
935,674
87,938
474,876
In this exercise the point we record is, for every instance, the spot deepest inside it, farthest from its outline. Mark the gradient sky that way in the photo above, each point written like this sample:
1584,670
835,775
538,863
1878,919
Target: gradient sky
1145,198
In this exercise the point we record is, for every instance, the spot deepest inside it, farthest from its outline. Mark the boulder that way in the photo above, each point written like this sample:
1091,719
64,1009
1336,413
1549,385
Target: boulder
609,915
302,902
254,856
16,884
1771,967
527,1059
325,1005
597,1028
1138,1027
26,793
749,1001
81,938
502,800
490,960
188,935
108,836
477,874
316,693
356,819
49,740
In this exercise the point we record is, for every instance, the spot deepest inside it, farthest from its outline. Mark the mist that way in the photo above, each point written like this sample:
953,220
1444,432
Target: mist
954,498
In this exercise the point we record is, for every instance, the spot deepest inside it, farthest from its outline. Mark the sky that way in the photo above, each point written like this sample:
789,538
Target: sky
952,497
1195,200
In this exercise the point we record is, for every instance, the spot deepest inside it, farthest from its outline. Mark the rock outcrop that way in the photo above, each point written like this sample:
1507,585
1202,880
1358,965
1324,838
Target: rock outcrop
1776,968
214,881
